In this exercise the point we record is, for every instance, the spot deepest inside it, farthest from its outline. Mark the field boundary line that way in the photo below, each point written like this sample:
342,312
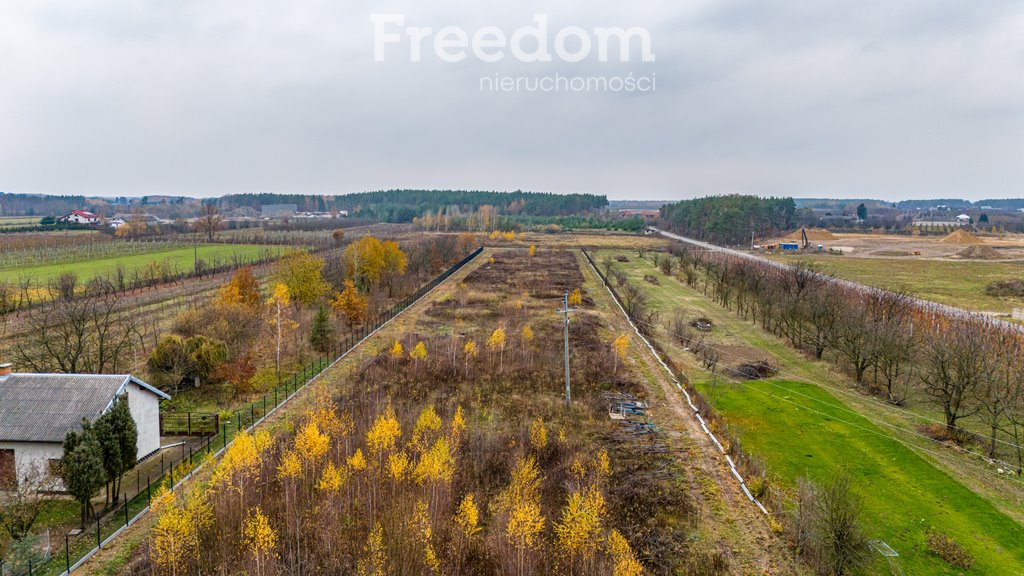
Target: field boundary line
696,412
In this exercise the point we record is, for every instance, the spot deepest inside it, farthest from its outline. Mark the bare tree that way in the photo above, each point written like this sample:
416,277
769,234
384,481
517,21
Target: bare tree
955,363
22,502
82,335
210,221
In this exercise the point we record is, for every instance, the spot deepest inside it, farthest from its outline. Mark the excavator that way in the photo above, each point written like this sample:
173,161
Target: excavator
803,235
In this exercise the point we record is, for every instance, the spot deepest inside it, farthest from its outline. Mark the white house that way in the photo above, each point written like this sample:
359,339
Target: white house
79,217
963,219
116,222
38,410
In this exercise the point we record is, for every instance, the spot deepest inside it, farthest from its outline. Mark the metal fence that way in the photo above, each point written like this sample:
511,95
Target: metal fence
79,547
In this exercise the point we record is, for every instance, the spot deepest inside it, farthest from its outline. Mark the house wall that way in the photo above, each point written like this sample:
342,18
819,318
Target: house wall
145,409
37,454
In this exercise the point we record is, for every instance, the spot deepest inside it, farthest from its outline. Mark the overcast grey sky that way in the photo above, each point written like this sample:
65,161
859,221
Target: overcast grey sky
854,98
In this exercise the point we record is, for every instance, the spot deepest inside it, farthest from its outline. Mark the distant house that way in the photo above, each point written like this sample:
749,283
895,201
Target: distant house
963,220
38,410
116,222
79,217
278,210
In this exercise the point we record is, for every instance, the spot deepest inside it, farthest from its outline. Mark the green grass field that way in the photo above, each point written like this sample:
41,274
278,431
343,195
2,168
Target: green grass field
802,429
948,282
180,258
18,221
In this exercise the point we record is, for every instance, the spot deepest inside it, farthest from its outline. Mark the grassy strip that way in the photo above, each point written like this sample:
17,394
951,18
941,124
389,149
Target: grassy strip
176,258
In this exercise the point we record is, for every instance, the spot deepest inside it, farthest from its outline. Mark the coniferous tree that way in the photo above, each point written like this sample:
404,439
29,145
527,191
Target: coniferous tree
321,333
118,437
82,467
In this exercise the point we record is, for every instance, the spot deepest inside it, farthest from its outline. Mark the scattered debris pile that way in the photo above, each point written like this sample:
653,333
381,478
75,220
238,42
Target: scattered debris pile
754,370
631,415
703,324
621,258
962,237
651,279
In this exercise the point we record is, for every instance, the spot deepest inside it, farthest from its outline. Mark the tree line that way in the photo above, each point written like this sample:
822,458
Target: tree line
966,366
404,205
730,219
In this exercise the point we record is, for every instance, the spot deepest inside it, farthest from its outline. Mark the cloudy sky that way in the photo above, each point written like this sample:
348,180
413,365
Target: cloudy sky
853,98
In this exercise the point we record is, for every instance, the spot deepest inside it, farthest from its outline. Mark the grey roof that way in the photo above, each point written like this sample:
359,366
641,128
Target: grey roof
45,407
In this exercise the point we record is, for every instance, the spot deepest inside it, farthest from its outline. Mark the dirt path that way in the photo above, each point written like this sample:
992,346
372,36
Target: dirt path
728,518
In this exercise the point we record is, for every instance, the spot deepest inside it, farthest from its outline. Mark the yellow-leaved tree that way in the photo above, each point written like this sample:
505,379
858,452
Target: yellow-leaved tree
374,561
579,531
243,289
624,562
350,304
470,352
575,297
496,342
301,272
279,301
419,352
260,538
526,337
521,502
538,434
383,435
396,351
620,346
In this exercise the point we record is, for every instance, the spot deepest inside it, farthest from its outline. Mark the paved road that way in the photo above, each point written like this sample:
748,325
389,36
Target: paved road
926,305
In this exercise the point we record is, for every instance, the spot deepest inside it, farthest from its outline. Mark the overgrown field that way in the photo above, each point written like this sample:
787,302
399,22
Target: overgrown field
174,257
954,283
449,451
802,428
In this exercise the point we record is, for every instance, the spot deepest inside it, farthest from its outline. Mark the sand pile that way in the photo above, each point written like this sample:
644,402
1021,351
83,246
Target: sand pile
813,234
962,237
979,253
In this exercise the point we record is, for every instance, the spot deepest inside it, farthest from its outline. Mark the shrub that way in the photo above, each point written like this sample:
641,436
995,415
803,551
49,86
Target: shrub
946,548
1011,287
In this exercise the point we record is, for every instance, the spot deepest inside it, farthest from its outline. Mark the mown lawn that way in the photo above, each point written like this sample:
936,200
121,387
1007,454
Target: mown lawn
178,258
800,429
948,282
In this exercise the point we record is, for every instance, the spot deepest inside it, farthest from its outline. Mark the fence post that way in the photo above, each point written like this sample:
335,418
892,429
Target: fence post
125,508
252,413
67,554
264,405
224,428
189,423
149,494
99,541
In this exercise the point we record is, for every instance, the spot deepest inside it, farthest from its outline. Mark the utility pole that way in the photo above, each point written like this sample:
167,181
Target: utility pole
565,311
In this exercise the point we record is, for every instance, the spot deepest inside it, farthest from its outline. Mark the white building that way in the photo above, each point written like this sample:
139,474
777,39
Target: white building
38,410
116,222
79,217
